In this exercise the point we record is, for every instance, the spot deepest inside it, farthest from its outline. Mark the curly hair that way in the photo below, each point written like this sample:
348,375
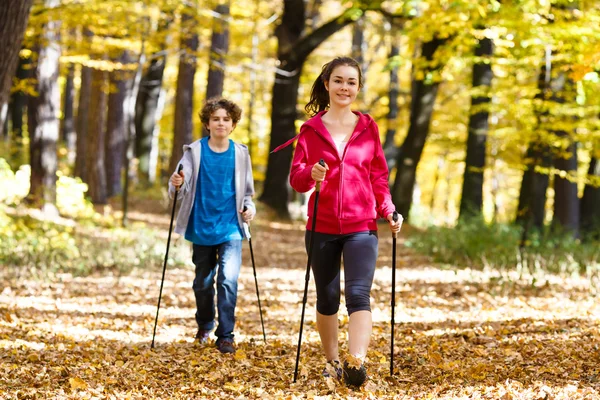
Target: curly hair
319,96
214,104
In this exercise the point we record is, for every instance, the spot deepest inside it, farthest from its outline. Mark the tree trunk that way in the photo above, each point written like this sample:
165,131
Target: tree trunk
292,53
96,176
590,203
4,111
13,21
85,91
219,46
19,99
184,98
389,147
472,191
147,106
146,109
532,197
68,122
116,128
566,201
409,155
43,117
359,48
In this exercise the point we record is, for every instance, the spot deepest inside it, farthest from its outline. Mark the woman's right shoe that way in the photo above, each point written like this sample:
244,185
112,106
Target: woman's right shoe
354,376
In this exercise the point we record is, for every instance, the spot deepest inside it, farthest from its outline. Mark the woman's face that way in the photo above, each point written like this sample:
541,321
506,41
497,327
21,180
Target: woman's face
343,86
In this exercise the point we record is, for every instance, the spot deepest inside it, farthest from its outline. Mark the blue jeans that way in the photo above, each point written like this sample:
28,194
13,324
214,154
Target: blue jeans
228,258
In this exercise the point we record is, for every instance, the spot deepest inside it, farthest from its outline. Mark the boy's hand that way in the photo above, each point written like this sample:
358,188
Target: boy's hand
247,215
177,179
318,172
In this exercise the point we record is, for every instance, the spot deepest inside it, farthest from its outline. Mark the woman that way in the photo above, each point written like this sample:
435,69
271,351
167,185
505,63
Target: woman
354,192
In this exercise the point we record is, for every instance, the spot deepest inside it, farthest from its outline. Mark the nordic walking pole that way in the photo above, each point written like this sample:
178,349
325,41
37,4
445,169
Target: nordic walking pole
162,281
247,230
395,218
307,277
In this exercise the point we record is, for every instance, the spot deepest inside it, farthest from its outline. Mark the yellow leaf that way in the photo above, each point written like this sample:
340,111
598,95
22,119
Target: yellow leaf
77,383
435,358
330,383
119,363
33,357
240,355
233,386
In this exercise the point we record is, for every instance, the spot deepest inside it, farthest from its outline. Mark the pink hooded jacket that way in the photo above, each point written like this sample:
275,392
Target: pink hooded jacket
355,190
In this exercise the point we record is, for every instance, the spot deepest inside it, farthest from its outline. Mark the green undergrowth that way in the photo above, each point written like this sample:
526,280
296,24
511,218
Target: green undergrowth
476,244
79,241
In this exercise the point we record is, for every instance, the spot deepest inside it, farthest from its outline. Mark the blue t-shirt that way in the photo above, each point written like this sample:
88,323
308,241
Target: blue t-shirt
213,219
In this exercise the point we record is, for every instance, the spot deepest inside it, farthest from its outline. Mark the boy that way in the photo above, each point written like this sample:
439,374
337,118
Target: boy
215,185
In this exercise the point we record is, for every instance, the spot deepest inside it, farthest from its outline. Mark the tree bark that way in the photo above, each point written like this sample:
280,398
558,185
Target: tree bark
184,98
13,21
472,191
68,122
389,146
219,46
566,201
96,177
19,99
409,155
292,53
81,143
359,47
116,127
4,111
590,203
43,117
532,197
147,105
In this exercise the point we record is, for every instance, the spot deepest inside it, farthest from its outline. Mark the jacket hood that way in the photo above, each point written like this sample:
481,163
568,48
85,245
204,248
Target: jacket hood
316,123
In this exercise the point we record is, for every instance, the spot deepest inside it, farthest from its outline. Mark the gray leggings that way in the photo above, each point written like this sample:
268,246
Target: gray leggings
360,255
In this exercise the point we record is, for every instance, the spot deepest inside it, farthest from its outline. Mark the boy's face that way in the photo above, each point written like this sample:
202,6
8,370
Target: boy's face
220,124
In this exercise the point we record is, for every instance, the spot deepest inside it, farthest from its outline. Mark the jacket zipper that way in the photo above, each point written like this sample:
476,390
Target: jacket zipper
340,203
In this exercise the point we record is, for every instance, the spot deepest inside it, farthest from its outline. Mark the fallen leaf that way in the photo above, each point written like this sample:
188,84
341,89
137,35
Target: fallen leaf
77,383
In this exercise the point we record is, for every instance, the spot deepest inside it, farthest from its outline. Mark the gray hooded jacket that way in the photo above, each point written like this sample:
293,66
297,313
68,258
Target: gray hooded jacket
244,183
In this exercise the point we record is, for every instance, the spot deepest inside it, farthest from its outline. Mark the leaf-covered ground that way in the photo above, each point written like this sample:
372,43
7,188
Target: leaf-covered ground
459,335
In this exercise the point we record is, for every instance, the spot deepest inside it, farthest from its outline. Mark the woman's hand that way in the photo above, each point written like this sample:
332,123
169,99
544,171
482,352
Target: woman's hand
318,172
395,225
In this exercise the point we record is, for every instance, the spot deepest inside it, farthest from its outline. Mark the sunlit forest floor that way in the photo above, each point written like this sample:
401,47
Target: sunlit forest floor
460,334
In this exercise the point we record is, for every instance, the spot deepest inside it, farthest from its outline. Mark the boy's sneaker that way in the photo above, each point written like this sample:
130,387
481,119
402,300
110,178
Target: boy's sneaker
355,373
333,369
226,346
202,336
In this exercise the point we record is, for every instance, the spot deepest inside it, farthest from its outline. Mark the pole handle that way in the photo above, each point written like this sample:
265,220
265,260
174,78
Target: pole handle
318,187
395,218
179,169
246,226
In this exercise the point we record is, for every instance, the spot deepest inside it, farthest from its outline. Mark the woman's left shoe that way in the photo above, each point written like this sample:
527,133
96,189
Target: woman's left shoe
333,369
353,375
